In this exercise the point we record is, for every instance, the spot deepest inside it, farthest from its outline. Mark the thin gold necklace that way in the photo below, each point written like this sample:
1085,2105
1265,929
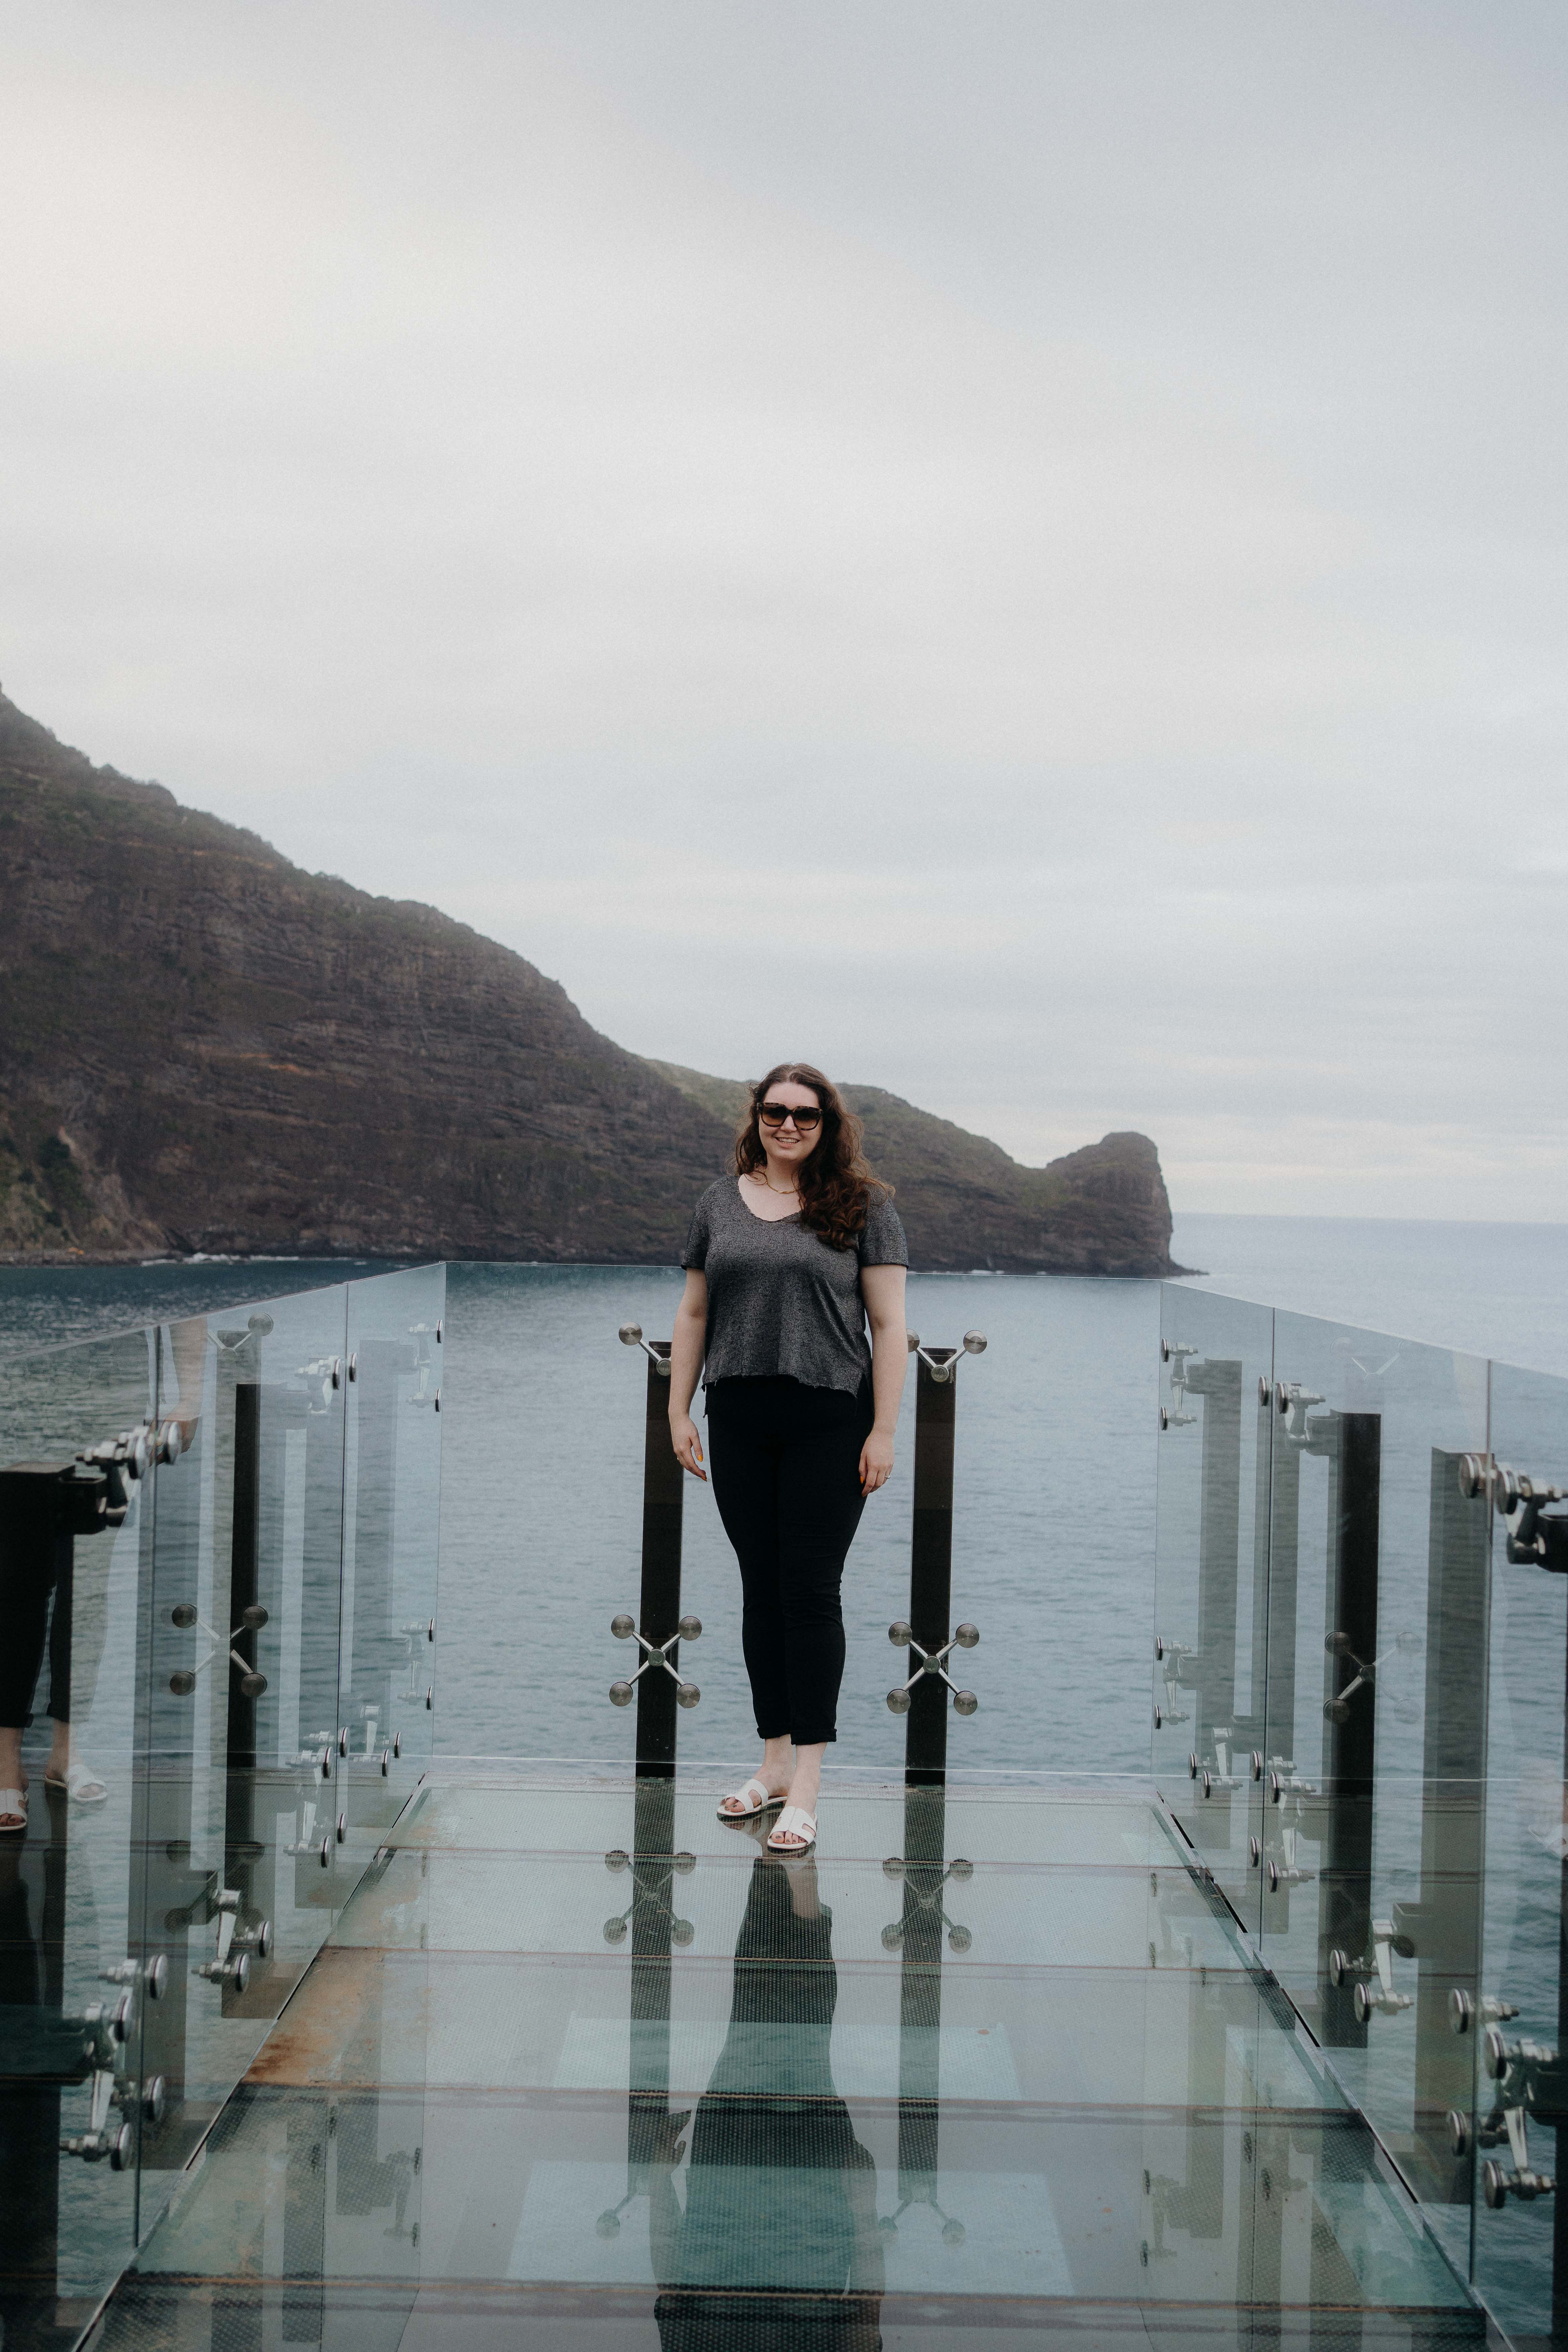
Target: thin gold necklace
785,1192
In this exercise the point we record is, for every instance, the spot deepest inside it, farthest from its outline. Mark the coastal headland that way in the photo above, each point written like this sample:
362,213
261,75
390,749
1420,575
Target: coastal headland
203,1048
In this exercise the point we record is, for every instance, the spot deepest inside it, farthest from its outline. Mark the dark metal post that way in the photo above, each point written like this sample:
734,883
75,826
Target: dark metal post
930,1567
1445,1925
250,1864
1559,2119
245,1572
1350,1729
663,1495
1283,1811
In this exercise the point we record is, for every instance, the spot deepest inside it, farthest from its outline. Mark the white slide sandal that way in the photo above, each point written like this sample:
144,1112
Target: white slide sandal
743,1798
795,1822
13,1801
82,1787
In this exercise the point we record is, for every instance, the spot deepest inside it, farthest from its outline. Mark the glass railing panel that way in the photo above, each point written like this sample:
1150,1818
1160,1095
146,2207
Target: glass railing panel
391,1543
73,1532
1518,2028
1212,1581
1375,1738
542,1501
542,1461
242,1798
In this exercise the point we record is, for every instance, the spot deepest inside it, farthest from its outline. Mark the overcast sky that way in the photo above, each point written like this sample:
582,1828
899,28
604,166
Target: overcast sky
1017,550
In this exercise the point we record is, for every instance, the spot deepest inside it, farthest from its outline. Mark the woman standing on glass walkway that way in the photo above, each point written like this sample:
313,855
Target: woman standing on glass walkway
787,1261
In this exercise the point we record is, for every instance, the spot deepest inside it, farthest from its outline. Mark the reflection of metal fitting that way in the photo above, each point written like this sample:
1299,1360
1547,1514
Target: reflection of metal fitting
183,1615
925,1888
102,2136
649,1889
1371,1977
1338,1645
1292,1402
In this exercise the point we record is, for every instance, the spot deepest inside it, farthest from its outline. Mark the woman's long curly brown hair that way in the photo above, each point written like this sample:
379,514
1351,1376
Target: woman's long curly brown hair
837,1185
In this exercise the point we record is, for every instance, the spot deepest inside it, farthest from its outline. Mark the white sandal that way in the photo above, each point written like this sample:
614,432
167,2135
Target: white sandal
13,1801
795,1822
764,1798
83,1788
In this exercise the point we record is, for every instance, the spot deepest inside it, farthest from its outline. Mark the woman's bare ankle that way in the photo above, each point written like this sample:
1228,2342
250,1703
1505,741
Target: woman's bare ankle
774,1773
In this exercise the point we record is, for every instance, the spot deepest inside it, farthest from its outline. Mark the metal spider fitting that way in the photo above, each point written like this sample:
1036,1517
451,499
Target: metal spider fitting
942,1367
185,1615
931,1662
655,1654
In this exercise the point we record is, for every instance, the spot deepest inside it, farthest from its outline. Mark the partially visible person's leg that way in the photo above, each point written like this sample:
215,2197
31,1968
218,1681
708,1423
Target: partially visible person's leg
29,1563
819,1508
743,1460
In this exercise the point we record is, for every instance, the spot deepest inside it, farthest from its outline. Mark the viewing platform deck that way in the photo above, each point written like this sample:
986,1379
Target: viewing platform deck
316,2031
581,2062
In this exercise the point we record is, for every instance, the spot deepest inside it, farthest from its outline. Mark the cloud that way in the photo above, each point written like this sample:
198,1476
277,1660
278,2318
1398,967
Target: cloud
1026,546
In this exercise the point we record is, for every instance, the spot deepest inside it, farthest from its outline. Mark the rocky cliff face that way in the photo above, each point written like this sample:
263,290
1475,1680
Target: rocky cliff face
203,1047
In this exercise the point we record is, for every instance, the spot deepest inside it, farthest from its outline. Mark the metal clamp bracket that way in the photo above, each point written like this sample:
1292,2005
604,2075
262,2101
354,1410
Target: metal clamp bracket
1176,1353
655,1654
1529,2078
945,1364
130,1456
1171,1657
1292,1402
1535,1538
231,1962
932,1662
1377,1998
101,2138
631,1337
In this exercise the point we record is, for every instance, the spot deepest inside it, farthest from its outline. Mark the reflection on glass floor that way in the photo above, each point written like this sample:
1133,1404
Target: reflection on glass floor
585,2062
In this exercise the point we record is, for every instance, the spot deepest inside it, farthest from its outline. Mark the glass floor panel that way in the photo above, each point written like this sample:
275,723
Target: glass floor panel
586,2065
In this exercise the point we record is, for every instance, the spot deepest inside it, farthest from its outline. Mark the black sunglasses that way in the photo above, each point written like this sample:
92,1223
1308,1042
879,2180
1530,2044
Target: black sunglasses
805,1116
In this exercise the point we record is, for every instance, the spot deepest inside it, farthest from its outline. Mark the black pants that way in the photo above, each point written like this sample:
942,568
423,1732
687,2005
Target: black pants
786,1477
33,1563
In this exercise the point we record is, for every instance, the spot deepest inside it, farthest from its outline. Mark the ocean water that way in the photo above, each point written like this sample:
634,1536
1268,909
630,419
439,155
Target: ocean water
1494,1290
1053,1556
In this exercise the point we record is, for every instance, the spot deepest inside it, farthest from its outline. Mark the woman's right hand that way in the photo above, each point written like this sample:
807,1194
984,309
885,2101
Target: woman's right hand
688,1442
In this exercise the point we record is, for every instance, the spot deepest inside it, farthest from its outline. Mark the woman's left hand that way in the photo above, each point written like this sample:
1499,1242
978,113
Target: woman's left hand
876,1462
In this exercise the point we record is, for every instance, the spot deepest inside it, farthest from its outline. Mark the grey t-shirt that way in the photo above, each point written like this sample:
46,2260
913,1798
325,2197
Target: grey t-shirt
780,1300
